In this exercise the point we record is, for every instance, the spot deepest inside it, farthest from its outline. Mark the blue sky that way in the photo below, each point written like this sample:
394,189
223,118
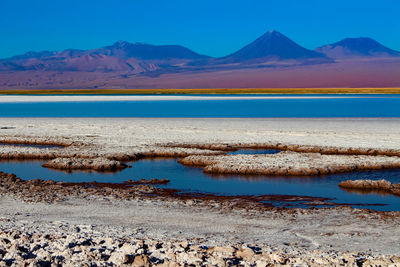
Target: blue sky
209,27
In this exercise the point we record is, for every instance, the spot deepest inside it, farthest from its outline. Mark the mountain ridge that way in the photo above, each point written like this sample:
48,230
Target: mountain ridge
133,65
357,47
272,46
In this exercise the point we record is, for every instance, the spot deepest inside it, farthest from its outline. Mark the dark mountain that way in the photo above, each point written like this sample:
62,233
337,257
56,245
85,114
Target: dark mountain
124,50
269,47
357,47
121,56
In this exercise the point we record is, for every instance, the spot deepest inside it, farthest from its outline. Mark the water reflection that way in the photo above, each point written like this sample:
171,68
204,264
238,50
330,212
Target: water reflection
360,191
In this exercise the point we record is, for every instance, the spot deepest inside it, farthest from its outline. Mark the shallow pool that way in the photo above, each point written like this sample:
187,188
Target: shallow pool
193,179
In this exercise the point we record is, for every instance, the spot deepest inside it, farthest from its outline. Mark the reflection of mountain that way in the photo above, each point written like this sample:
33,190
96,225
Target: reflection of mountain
272,60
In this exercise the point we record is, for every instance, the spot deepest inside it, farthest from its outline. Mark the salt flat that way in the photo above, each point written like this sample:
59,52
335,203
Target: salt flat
378,133
339,229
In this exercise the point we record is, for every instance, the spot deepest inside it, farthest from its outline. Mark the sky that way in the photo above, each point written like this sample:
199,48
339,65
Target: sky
211,27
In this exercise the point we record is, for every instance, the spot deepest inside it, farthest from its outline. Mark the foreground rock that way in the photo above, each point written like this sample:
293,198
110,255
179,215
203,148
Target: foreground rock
50,191
372,185
97,164
290,163
41,249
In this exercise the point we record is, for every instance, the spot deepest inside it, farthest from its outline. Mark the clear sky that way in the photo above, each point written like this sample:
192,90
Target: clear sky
212,27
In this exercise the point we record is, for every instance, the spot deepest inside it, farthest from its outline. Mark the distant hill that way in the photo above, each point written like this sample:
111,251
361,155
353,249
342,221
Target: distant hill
121,56
272,46
124,50
272,60
357,47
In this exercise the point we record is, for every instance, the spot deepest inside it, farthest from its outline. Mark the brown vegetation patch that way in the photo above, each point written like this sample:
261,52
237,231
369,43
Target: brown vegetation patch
221,91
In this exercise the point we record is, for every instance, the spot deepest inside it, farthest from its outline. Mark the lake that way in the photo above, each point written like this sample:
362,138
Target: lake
306,106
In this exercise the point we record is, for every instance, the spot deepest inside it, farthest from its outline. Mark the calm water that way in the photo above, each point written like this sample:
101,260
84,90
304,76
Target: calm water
344,106
193,179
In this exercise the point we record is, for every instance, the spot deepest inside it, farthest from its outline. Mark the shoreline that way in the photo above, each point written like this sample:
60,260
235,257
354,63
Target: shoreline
106,98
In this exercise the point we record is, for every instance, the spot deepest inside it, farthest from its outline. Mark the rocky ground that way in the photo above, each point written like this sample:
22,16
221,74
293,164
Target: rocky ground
78,248
47,223
109,231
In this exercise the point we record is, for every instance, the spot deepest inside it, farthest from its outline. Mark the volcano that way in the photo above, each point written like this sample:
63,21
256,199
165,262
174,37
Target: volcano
272,46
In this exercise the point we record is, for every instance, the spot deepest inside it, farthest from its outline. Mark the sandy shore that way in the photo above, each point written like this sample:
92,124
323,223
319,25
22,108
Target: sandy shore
308,235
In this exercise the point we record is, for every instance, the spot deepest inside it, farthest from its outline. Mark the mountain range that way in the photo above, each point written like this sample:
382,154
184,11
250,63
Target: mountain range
139,65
